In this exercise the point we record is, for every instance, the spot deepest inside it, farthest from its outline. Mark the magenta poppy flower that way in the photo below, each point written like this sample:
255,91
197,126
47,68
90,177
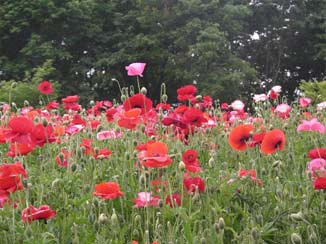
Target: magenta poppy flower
304,102
45,87
136,69
146,199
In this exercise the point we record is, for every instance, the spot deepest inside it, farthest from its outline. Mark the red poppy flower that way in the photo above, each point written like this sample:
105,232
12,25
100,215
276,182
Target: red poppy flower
52,105
102,153
138,101
239,136
10,183
32,213
194,117
43,134
273,140
62,158
190,160
19,149
320,183
130,119
194,184
110,113
4,198
186,93
174,119
155,156
45,87
157,183
70,99
163,106
173,200
20,129
107,190
243,173
317,153
12,170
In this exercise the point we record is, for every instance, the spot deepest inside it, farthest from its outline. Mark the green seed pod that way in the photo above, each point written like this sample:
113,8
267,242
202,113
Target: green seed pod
114,218
203,240
123,98
73,167
255,233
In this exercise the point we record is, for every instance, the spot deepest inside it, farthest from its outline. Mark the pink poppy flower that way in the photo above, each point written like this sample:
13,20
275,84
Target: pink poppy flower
136,69
108,134
145,199
237,105
321,106
304,102
317,164
260,97
283,110
311,125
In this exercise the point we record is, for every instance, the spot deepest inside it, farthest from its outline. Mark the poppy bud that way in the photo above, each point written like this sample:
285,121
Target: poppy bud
211,162
164,98
143,90
296,216
203,240
255,233
123,98
44,122
26,103
127,155
56,183
13,104
182,166
103,219
323,205
217,227
92,103
114,218
73,167
277,163
91,218
221,223
142,179
137,219
296,238
40,102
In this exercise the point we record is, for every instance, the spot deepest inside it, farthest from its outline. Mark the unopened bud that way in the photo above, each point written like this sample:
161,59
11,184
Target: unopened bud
114,218
323,205
103,219
203,240
164,98
211,162
123,98
73,167
143,90
26,103
221,223
255,233
296,238
277,163
92,103
182,165
296,216
14,84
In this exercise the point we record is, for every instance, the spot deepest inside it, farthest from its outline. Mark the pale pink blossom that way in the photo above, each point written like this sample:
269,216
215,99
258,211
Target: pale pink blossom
311,125
283,110
108,134
237,105
321,106
136,69
304,102
260,97
276,89
74,129
145,199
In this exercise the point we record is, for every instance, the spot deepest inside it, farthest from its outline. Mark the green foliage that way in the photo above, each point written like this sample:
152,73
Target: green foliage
27,90
314,90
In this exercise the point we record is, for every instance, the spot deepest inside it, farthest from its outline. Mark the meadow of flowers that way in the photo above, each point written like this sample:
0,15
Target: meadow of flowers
137,172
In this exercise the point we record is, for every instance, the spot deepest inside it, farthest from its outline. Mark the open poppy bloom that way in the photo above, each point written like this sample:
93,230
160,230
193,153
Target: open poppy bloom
32,213
311,125
146,199
45,87
136,69
319,183
317,153
186,93
239,136
190,160
19,130
138,101
173,200
107,190
130,119
155,155
304,102
20,149
273,140
243,173
194,184
10,180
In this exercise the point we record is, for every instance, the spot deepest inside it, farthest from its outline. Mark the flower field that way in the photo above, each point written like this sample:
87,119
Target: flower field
201,171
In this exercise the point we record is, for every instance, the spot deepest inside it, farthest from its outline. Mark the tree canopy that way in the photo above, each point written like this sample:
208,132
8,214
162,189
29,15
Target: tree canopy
228,48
